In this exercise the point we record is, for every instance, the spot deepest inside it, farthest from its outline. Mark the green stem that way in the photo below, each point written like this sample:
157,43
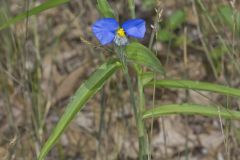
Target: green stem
120,53
131,5
143,138
143,149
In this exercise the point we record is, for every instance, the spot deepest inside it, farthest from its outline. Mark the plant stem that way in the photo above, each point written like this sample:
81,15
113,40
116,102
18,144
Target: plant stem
131,5
143,149
142,132
120,52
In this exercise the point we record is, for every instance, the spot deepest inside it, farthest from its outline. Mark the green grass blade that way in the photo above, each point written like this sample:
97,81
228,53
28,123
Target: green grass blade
105,9
195,85
138,53
230,17
86,91
191,109
44,6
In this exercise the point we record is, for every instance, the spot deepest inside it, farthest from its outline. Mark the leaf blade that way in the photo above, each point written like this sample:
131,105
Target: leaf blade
191,109
139,54
230,17
105,9
85,92
195,85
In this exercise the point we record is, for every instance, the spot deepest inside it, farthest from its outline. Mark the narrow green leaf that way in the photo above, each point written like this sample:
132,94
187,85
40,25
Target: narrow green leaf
138,53
226,13
105,9
176,19
44,6
191,109
196,85
86,91
230,17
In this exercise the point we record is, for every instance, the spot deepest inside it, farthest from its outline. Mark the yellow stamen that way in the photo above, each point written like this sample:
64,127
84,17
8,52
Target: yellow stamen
121,32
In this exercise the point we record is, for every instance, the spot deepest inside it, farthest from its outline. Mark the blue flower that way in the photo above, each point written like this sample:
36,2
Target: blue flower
107,30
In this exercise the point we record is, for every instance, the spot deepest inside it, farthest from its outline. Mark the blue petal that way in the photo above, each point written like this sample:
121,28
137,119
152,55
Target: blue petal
104,29
135,28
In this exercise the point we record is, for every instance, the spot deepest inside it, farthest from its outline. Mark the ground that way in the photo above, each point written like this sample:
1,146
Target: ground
46,58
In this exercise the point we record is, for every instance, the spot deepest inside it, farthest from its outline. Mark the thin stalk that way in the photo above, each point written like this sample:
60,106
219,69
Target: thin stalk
156,28
144,140
120,53
137,113
131,5
102,113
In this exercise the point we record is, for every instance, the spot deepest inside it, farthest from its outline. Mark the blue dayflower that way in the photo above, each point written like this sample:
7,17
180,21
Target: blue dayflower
107,30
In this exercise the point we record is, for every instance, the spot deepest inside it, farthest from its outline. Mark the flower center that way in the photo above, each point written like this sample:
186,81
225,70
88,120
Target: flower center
121,32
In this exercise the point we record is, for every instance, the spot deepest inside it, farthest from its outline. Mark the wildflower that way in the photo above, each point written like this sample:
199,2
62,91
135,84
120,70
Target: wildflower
107,30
